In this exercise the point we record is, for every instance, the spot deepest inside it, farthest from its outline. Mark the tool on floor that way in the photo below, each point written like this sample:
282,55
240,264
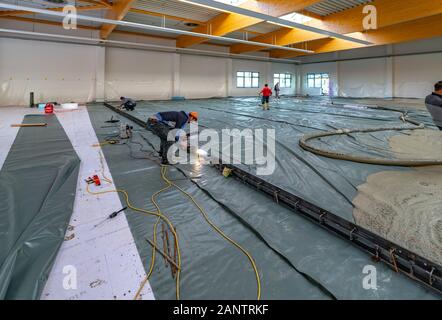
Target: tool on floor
112,120
227,172
29,125
125,131
111,216
95,179
110,141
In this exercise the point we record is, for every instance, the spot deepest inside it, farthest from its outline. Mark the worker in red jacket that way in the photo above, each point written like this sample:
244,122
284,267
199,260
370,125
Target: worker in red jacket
266,92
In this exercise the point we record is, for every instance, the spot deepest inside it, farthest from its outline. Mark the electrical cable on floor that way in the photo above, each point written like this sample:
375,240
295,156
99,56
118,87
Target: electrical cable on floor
217,229
159,216
206,217
152,264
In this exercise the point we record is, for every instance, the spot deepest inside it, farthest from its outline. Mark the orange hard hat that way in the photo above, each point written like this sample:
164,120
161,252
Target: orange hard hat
194,115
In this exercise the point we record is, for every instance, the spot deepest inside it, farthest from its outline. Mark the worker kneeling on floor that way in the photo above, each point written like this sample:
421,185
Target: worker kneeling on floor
128,104
160,124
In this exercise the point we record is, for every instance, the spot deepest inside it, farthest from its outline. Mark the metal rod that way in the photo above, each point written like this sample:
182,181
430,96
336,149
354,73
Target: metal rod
29,125
164,255
164,242
175,253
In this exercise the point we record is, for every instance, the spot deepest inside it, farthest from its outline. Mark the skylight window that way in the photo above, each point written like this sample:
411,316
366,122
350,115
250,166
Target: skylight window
296,17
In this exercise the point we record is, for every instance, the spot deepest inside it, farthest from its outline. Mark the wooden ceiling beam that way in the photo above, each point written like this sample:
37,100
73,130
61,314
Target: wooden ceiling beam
226,23
389,13
118,11
404,32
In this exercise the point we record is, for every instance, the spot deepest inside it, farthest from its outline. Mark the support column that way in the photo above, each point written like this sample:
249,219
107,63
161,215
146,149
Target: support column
298,80
229,77
389,69
337,86
269,75
100,74
176,75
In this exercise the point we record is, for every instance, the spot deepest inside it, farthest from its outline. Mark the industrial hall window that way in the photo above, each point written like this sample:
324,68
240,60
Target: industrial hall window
247,79
284,79
316,80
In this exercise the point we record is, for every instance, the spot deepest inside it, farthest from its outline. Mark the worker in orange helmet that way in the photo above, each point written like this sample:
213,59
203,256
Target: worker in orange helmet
162,122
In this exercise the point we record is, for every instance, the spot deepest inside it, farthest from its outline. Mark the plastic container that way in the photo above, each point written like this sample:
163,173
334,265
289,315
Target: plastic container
49,108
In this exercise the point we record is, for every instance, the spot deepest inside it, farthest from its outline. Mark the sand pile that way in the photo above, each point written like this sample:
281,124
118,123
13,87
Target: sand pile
406,206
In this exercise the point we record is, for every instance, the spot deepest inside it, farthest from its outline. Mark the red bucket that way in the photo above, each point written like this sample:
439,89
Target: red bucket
49,108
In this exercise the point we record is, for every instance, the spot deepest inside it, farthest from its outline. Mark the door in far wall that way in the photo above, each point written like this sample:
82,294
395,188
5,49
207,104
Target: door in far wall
325,84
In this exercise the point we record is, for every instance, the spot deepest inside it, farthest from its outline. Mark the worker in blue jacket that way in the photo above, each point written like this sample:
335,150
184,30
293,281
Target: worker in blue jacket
128,104
162,122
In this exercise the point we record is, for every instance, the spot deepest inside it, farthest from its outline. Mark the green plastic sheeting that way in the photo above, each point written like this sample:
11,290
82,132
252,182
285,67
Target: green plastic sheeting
37,191
296,258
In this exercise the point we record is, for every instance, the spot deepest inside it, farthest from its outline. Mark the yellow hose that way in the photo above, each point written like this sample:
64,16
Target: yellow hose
206,217
163,169
161,216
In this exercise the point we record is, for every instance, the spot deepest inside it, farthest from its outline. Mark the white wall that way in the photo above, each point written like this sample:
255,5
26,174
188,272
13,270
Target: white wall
415,77
203,77
72,72
138,74
53,71
365,78
396,75
68,72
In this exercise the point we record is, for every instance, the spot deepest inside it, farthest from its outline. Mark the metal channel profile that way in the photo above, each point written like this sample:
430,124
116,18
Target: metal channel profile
127,115
399,259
